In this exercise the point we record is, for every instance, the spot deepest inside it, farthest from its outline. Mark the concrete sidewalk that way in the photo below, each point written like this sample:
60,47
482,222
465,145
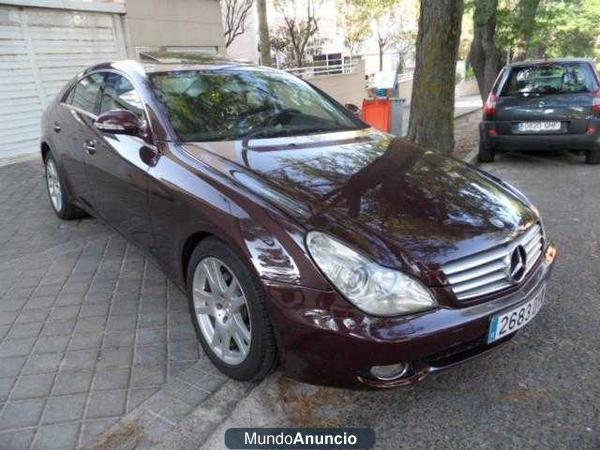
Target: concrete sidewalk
462,106
466,105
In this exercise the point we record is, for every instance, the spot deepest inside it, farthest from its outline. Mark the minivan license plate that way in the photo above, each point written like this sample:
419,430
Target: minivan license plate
537,127
506,323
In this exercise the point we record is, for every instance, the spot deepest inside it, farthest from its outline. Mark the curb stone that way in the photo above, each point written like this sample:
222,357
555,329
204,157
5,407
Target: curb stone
260,407
185,394
204,428
471,157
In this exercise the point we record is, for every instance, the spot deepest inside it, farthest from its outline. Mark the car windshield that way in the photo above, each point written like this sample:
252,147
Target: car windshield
234,103
555,78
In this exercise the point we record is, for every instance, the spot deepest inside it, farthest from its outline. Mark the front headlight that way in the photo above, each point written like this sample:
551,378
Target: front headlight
372,288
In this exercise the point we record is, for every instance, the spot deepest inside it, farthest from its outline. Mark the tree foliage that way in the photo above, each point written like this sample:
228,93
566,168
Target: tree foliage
381,19
298,36
549,28
355,21
530,29
235,16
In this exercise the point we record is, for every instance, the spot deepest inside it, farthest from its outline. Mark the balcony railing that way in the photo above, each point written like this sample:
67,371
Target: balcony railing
314,71
406,76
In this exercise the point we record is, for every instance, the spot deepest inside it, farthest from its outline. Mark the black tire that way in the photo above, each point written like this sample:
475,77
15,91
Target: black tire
592,157
262,355
67,210
486,154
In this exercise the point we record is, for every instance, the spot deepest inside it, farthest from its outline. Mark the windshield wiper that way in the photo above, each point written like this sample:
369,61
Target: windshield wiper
262,133
266,134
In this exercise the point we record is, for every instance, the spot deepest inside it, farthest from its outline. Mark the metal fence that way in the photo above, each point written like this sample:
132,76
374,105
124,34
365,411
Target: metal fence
406,76
313,71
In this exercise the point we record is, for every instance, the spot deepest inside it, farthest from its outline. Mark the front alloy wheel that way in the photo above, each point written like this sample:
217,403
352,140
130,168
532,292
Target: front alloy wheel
229,311
222,311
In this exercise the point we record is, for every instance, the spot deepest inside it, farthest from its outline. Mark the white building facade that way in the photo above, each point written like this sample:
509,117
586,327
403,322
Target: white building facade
45,43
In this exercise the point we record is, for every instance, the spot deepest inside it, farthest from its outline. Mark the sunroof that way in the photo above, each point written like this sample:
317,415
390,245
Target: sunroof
182,56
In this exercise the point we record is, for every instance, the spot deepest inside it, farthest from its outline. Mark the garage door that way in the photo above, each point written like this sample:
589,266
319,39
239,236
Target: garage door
40,49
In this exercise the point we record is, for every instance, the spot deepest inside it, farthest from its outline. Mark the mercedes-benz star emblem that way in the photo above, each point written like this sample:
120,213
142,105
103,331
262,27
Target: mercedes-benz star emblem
518,264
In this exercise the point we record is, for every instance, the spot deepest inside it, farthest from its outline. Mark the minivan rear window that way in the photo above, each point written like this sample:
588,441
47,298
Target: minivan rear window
554,78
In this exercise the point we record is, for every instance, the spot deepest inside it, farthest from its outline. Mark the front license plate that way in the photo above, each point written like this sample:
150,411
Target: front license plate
508,322
537,127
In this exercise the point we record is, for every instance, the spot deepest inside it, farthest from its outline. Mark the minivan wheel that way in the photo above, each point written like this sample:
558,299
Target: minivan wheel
57,194
485,155
592,157
228,309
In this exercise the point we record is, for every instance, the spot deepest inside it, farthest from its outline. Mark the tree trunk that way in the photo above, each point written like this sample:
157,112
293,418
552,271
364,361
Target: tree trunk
380,58
527,11
432,102
484,56
263,33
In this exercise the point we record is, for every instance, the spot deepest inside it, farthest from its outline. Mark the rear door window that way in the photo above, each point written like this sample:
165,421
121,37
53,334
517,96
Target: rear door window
554,78
85,94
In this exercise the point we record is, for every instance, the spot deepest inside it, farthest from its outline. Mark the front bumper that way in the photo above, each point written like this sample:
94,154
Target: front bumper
324,340
521,142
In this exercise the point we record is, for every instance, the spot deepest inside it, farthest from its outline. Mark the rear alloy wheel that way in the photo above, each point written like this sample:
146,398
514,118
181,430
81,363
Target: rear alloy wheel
55,191
59,199
229,312
592,157
222,311
485,155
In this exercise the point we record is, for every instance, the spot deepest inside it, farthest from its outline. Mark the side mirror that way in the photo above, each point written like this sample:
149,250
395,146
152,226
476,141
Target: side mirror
121,121
353,109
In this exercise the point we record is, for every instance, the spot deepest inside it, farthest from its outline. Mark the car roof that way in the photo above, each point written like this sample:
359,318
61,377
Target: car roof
537,62
168,62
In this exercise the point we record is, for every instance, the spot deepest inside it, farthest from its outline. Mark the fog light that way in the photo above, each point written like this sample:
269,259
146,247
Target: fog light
389,372
550,254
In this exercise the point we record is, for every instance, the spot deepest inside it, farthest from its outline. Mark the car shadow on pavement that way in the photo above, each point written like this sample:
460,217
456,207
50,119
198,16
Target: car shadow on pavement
535,156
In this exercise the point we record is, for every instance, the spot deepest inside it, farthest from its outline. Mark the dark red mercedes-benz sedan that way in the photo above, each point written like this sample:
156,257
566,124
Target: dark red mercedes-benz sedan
303,237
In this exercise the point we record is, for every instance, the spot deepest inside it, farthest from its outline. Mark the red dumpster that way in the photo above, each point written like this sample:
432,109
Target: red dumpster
377,113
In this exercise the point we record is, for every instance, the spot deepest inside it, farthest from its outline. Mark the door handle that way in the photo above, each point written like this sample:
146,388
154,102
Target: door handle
90,146
56,127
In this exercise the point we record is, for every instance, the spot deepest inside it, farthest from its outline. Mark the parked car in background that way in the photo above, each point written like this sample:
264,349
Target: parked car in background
543,105
302,236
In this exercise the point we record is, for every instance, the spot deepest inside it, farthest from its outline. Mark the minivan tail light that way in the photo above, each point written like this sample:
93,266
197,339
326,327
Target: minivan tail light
596,101
489,108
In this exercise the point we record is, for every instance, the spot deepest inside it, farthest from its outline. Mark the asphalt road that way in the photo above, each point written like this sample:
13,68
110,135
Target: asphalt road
541,390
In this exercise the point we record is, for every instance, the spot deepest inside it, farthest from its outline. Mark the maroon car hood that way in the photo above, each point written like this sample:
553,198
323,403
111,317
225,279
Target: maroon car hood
390,198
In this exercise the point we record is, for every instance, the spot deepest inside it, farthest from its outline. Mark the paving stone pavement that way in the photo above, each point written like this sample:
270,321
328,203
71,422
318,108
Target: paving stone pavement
89,328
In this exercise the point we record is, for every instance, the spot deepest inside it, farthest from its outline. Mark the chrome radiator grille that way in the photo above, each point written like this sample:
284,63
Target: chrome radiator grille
495,269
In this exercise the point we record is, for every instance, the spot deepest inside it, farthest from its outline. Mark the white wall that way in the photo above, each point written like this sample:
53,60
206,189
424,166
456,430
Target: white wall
345,88
189,23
